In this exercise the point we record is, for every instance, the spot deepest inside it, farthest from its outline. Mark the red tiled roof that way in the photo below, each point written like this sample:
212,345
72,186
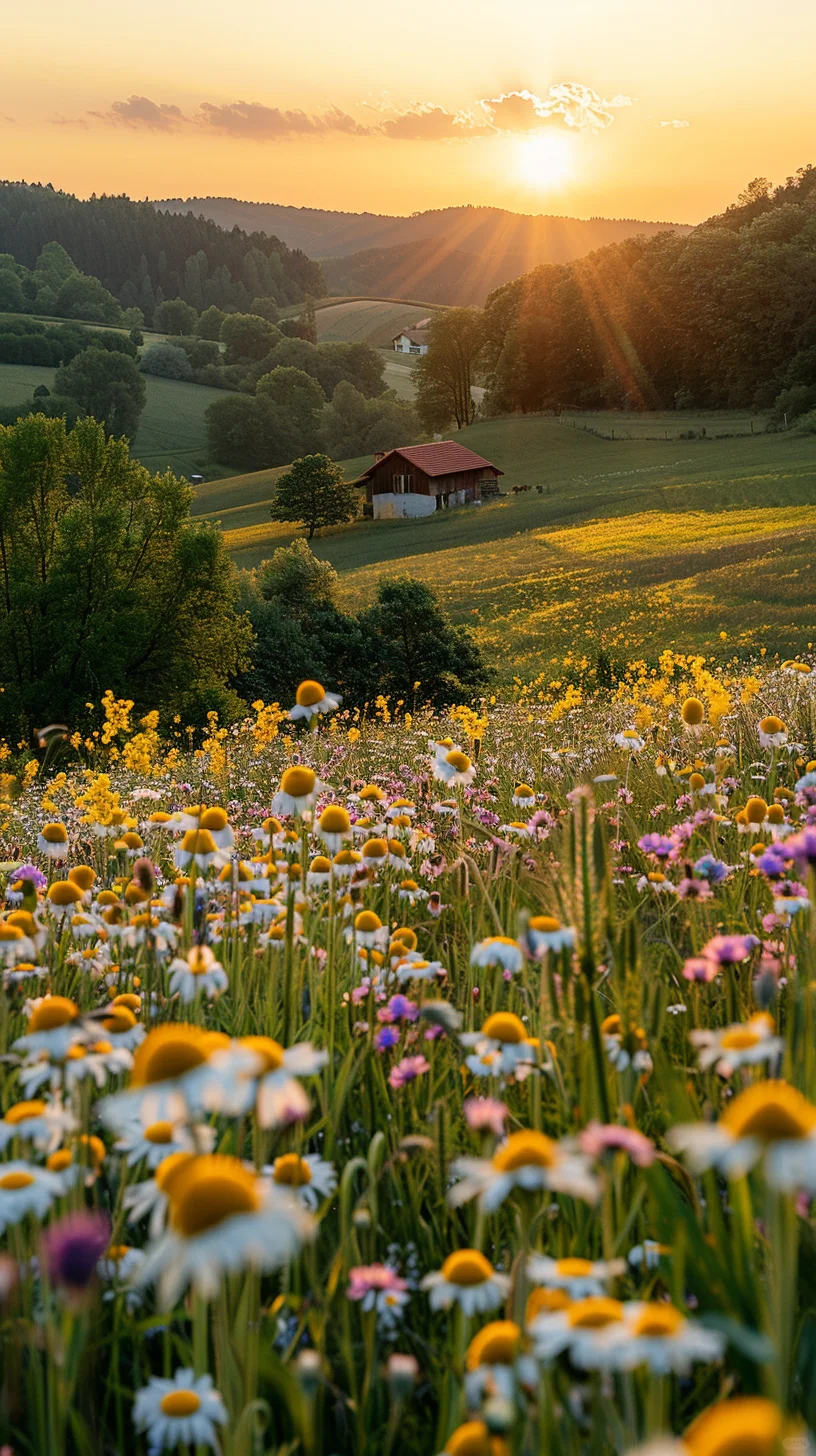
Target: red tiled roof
444,458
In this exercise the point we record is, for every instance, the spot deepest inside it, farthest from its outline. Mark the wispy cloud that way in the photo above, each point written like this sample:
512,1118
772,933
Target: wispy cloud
266,123
678,125
568,102
140,111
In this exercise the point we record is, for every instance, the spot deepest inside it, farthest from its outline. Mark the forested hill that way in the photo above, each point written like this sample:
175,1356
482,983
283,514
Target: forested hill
722,317
450,255
143,255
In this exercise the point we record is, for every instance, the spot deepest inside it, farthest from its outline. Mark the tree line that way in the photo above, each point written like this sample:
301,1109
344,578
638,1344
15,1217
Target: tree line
142,256
106,581
720,317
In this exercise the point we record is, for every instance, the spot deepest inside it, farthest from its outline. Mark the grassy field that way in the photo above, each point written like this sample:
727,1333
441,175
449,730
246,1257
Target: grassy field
632,544
668,425
368,320
171,430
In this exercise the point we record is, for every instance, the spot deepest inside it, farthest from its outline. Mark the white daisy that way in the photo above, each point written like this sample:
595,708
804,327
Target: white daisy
25,1189
43,1124
310,1178
579,1277
527,1160
741,1045
469,1280
182,1411
630,740
500,951
223,1218
199,974
769,1121
156,1141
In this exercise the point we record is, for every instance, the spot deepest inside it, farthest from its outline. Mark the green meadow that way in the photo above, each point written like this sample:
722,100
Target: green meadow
631,545
171,431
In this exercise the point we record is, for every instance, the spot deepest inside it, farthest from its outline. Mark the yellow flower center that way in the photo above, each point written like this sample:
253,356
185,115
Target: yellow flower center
63,893
291,1170
772,1112
210,1189
120,1020
458,760
298,782
546,1301
746,1426
523,791
375,849
692,712
169,1051
11,1182
470,1439
22,1111
658,1321
159,1133
55,833
545,923
525,1149
268,1051
739,1038
772,725
180,1403
573,1268
367,922
496,1344
335,820
54,1011
594,1313
504,1026
213,819
466,1267
756,810
309,693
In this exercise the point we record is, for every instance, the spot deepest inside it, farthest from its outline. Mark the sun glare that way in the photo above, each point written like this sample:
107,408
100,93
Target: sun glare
545,160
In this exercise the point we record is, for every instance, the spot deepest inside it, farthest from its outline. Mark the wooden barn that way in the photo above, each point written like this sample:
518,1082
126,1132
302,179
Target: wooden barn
419,479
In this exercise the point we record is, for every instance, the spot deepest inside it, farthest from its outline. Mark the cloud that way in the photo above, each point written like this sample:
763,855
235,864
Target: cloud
571,102
425,121
140,111
265,123
676,124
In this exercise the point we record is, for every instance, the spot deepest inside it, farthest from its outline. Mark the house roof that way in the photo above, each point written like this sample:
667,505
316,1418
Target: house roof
416,336
445,457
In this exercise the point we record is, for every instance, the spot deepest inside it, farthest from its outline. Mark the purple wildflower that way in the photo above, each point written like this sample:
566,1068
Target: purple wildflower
72,1247
386,1037
408,1070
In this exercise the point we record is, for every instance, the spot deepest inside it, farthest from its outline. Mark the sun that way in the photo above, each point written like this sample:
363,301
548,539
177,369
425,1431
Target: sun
545,160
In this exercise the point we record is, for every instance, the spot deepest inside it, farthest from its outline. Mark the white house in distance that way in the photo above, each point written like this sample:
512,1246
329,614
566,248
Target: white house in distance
412,341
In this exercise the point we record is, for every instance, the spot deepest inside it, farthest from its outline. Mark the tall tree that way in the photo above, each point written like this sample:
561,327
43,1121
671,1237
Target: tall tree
107,386
105,581
446,374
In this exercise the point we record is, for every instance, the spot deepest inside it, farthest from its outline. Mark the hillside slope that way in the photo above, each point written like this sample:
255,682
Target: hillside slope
633,545
453,255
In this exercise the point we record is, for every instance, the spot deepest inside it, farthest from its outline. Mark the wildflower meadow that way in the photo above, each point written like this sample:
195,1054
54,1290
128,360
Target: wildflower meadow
401,1082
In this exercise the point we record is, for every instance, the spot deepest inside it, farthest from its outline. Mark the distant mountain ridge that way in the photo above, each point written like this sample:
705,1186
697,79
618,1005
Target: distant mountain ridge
452,255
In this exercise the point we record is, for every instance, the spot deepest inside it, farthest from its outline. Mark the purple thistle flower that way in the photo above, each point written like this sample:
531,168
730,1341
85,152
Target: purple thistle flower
402,1009
386,1037
30,872
72,1246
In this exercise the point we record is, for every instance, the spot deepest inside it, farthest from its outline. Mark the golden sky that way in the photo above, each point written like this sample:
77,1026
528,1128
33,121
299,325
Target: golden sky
657,109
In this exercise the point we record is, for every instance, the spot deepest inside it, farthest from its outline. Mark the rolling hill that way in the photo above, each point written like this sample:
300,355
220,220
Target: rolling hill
632,545
453,255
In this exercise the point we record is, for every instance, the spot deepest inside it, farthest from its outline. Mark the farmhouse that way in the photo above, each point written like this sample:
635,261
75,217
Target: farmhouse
412,341
419,479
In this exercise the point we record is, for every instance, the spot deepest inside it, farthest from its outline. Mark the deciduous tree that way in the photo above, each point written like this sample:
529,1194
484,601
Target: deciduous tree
314,493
